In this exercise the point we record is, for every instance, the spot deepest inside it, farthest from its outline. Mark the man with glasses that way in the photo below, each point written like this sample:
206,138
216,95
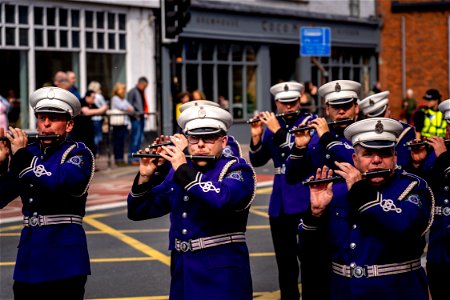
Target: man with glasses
322,145
274,143
208,198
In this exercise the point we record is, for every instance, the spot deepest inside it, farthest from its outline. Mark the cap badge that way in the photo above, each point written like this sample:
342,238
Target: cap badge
371,102
337,88
51,94
201,112
379,128
286,88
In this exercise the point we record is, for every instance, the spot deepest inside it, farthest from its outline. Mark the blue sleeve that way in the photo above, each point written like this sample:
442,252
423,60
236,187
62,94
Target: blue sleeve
260,154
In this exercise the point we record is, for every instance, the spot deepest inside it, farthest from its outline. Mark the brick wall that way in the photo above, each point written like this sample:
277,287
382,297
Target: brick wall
426,52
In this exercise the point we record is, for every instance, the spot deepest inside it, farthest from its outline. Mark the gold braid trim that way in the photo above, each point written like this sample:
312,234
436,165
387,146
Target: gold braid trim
225,170
64,157
407,190
430,222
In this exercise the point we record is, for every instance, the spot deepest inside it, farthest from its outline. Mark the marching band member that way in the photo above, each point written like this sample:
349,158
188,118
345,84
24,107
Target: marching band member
52,178
274,142
208,202
432,161
373,228
322,145
377,105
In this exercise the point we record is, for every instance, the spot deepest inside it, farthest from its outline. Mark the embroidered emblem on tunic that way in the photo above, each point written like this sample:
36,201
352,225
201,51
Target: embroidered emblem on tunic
227,152
76,160
414,199
40,170
236,175
388,205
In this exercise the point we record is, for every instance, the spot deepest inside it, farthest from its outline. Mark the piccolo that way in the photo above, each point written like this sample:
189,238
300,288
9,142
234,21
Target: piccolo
257,119
422,143
188,156
371,174
337,122
160,144
35,136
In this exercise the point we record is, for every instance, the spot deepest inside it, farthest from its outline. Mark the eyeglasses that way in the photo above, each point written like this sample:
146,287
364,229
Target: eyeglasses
207,139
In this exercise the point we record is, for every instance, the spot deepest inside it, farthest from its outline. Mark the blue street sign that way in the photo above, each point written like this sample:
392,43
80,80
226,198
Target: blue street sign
315,41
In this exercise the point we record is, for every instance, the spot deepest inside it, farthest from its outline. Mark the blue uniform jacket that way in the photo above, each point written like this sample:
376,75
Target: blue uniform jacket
284,197
50,182
202,203
403,152
373,226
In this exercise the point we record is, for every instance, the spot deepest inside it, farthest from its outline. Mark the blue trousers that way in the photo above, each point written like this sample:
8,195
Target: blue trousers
136,137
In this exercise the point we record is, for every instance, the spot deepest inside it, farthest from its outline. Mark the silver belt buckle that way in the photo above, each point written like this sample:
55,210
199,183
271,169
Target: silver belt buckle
446,211
185,246
34,220
358,272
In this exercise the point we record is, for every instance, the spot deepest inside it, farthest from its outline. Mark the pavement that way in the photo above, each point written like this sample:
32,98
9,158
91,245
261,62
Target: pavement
111,184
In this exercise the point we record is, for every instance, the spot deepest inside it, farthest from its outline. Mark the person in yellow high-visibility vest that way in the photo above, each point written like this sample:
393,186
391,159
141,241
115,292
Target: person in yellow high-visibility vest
428,120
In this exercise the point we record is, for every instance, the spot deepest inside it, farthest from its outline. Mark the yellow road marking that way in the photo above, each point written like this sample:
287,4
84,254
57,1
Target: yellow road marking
259,213
266,190
129,240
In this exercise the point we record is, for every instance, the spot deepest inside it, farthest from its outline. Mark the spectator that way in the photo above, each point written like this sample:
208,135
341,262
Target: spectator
376,88
224,102
72,81
120,128
428,120
409,105
136,97
183,97
4,108
14,112
98,120
198,95
307,102
60,80
83,130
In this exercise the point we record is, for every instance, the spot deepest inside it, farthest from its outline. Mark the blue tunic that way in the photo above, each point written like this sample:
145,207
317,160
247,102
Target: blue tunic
284,197
404,153
50,182
373,226
202,202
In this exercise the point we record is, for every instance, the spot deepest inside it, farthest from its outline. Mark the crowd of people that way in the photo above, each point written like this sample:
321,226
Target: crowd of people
355,192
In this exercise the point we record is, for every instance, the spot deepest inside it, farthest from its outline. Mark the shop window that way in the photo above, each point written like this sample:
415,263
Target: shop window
226,73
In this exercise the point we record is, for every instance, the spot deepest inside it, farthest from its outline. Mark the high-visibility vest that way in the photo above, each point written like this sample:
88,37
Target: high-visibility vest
434,124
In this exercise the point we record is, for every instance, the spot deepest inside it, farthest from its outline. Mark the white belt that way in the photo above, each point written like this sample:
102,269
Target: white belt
280,170
207,242
441,211
38,220
354,271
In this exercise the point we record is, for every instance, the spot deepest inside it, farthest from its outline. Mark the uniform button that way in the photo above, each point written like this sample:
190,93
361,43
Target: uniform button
31,185
352,265
171,189
184,215
30,200
282,154
184,231
446,188
337,214
446,201
186,198
354,226
352,245
327,156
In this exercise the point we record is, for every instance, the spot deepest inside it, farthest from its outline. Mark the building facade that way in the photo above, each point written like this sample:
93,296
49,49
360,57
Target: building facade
104,41
414,48
235,50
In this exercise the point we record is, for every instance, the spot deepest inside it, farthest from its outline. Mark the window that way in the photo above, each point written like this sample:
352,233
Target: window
105,31
221,71
14,26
